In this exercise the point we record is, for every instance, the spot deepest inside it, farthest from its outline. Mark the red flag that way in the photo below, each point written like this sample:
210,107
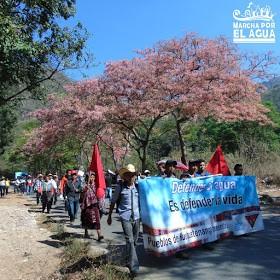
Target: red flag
217,164
97,166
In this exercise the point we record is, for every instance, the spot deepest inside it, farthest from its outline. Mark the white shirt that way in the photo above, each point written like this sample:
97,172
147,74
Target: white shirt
54,184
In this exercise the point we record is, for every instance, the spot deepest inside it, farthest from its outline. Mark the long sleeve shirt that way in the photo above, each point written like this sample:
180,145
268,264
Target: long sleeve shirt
73,189
128,198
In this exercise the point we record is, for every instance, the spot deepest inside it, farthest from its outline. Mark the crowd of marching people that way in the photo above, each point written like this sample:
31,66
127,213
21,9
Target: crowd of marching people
79,194
126,197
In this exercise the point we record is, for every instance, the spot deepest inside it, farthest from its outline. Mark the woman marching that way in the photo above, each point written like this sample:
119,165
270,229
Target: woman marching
90,206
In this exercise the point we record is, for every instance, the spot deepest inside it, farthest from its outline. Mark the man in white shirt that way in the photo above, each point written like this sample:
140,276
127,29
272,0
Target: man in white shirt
2,186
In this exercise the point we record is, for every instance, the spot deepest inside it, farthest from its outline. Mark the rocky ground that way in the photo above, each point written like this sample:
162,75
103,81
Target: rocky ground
25,252
269,195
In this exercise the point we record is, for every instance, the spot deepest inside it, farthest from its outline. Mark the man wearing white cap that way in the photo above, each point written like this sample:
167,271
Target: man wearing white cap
38,187
127,195
147,173
161,167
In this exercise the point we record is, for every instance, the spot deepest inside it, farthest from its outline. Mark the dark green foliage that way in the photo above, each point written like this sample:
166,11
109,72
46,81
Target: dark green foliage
211,133
60,157
273,95
8,117
14,159
273,92
274,113
34,46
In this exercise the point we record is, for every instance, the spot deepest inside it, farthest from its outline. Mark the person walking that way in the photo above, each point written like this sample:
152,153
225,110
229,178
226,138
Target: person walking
108,180
62,187
169,169
38,187
16,185
29,185
2,186
56,184
238,169
128,209
192,168
8,184
47,194
90,214
72,191
161,167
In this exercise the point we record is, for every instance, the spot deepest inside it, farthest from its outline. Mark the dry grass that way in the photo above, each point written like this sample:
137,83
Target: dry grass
105,272
50,224
77,261
263,166
256,157
79,264
74,250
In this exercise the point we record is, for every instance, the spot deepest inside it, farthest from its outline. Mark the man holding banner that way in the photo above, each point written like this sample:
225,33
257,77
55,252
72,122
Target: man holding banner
201,171
126,194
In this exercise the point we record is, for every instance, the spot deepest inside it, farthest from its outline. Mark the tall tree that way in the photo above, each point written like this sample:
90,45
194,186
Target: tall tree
191,78
133,93
210,78
8,116
66,116
34,46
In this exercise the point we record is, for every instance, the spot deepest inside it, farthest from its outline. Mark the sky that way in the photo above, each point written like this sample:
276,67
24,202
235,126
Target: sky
119,27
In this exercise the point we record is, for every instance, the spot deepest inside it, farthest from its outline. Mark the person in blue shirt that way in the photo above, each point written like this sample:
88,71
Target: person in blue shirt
73,191
126,194
201,170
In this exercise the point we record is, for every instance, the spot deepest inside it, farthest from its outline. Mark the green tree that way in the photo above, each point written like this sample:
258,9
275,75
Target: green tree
14,159
209,133
34,45
8,117
65,154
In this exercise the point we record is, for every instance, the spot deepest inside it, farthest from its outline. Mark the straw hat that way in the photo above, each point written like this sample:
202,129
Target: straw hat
130,168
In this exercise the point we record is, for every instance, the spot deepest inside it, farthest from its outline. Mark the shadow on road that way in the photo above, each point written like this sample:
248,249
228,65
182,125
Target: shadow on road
53,243
256,256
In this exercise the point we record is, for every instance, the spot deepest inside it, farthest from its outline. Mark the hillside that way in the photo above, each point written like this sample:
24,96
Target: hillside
273,92
54,86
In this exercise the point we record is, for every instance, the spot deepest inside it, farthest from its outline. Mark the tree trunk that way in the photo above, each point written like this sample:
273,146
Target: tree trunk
182,144
144,158
142,155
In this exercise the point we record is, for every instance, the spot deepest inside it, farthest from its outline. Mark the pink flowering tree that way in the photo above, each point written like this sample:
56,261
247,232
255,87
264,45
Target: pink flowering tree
190,78
133,91
116,145
210,78
76,115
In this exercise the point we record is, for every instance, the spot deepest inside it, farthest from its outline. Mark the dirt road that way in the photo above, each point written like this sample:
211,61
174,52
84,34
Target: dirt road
24,250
